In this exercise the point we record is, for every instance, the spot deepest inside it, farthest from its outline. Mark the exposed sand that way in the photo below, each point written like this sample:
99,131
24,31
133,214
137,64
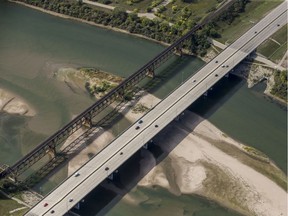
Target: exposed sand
13,104
100,139
197,163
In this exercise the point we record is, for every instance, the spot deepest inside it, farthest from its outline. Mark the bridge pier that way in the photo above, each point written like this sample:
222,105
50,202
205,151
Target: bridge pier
178,51
88,123
78,205
52,152
14,178
178,118
112,175
150,73
145,146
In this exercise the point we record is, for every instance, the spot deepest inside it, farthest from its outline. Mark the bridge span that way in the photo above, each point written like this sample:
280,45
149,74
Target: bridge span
85,118
76,187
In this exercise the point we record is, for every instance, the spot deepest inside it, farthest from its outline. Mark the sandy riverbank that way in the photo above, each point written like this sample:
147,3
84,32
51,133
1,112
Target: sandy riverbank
88,22
13,104
199,164
203,161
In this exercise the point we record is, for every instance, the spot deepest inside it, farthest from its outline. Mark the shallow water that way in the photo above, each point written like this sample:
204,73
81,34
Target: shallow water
34,45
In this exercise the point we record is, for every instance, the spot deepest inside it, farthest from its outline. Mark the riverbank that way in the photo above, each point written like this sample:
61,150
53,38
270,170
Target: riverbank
253,72
202,160
13,104
88,22
206,162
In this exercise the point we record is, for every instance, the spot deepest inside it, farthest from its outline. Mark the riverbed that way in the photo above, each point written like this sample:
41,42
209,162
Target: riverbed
35,45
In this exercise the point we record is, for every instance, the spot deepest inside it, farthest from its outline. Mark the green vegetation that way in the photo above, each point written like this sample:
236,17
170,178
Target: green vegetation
280,87
132,5
186,12
275,47
100,88
99,82
7,205
117,18
128,95
254,11
155,29
267,169
140,108
256,154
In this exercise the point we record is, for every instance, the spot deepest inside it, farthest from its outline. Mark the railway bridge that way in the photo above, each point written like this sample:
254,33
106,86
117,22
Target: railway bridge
49,146
77,186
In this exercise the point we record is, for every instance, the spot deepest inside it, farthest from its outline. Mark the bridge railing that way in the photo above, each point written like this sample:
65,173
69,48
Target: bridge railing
58,137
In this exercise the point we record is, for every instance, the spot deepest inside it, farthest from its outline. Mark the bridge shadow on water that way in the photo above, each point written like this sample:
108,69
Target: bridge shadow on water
104,197
105,120
170,71
166,72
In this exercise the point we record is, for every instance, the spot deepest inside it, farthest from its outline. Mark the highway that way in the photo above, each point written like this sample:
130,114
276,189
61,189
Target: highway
75,188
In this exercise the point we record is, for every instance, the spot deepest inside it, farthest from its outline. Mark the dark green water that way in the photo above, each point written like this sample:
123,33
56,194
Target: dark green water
248,116
34,45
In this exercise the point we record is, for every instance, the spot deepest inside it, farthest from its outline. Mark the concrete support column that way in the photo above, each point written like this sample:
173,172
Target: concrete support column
178,51
88,123
52,152
150,73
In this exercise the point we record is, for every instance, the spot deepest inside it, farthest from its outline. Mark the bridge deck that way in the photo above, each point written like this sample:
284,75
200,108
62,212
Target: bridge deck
57,138
111,157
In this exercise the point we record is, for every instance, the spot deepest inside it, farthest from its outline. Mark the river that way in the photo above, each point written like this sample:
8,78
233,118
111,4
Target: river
34,45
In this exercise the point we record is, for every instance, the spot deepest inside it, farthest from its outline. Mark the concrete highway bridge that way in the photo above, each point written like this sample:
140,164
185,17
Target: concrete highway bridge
77,186
49,146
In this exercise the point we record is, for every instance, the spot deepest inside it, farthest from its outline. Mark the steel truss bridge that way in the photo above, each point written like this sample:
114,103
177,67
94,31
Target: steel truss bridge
85,118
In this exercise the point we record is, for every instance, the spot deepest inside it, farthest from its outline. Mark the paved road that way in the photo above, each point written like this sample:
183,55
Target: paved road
257,57
75,188
109,7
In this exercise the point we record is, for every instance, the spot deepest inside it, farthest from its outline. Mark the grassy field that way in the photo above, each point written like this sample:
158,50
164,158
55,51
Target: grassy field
192,9
196,9
7,205
140,6
255,10
276,46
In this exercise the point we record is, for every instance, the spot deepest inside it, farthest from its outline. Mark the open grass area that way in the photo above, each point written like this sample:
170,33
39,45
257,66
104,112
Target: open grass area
174,10
275,47
139,5
255,10
281,35
279,53
192,9
7,205
267,48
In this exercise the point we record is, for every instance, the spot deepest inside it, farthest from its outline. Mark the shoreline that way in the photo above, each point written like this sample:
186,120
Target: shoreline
247,75
206,58
206,169
88,22
199,170
201,167
15,104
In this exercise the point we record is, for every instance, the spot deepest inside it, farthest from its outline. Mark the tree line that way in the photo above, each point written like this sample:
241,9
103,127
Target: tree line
155,29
